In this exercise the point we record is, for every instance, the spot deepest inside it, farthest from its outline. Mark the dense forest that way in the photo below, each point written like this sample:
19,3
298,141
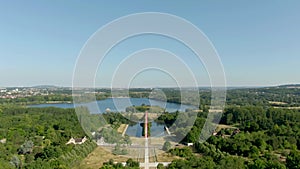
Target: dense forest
262,137
36,138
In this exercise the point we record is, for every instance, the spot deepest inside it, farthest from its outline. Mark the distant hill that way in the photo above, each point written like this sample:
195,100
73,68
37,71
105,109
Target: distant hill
45,86
290,86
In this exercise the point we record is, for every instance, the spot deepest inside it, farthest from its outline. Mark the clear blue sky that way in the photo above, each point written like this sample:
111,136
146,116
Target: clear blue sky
258,41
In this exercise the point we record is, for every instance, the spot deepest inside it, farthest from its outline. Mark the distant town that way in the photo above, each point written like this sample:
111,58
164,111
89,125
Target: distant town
12,93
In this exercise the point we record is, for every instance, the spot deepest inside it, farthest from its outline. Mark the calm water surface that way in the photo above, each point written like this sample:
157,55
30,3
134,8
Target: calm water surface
122,104
157,130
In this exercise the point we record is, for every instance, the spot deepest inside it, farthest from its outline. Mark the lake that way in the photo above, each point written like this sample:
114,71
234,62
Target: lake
157,130
122,104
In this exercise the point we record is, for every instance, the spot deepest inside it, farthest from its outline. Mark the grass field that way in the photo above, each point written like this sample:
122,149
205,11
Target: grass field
165,157
95,159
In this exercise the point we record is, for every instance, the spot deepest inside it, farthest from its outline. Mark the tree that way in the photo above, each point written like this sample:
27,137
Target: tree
130,109
29,158
5,164
118,151
15,161
229,118
254,152
193,135
127,140
232,163
275,164
293,160
160,166
27,147
131,163
258,163
166,146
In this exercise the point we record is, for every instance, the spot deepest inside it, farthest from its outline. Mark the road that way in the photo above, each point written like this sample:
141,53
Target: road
146,142
146,165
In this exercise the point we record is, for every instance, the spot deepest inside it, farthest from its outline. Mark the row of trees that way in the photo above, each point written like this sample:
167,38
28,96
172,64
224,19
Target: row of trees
38,99
130,164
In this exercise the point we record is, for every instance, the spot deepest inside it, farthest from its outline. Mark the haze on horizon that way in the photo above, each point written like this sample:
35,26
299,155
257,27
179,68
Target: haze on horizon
258,41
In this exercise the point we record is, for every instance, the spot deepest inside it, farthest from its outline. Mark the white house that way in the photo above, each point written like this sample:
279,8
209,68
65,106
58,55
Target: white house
3,141
190,144
77,140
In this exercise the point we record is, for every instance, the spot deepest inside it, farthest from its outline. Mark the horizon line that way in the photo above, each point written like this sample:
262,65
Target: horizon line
107,87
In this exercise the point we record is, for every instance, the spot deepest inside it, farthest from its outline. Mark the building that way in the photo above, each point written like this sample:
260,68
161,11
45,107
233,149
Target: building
3,141
77,140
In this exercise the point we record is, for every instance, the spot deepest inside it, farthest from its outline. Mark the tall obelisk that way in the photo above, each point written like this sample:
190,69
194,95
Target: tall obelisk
146,124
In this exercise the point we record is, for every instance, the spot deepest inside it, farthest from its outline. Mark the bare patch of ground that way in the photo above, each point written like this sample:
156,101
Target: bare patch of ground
277,103
121,128
223,126
292,108
96,159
